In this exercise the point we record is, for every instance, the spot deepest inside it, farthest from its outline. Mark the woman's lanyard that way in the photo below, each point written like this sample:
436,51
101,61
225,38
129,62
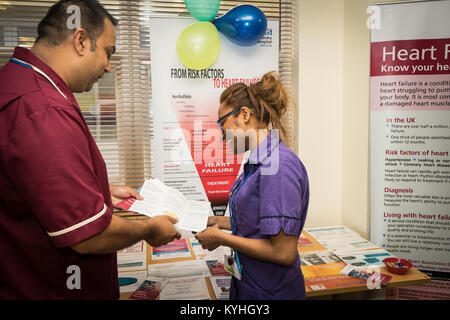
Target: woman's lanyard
232,202
27,65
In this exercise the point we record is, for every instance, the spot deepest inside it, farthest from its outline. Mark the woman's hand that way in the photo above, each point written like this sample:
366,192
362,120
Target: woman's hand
220,222
211,237
120,193
213,220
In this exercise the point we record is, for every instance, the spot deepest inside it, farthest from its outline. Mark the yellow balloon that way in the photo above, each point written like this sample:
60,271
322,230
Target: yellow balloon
198,45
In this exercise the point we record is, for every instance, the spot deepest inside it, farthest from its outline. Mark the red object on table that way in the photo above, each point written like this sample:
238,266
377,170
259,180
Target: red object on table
397,265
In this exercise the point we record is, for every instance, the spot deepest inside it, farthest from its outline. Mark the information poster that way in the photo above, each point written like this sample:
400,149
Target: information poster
189,153
410,133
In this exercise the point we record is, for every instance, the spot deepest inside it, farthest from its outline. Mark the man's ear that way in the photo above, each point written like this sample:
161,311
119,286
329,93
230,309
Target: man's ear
81,41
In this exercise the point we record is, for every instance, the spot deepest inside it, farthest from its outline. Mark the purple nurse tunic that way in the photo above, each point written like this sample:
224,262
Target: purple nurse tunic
274,197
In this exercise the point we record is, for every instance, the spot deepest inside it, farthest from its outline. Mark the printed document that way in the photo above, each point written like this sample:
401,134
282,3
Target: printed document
160,199
191,288
133,257
179,269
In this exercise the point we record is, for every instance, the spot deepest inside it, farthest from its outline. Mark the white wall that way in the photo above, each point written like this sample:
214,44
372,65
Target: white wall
334,54
355,127
320,104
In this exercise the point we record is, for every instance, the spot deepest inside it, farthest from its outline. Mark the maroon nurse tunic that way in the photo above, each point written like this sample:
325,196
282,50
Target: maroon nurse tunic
54,190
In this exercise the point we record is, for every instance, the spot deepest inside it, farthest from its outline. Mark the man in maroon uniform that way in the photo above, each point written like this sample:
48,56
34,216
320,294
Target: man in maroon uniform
58,236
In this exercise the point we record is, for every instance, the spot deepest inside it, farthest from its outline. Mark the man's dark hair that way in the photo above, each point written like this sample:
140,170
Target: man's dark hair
54,29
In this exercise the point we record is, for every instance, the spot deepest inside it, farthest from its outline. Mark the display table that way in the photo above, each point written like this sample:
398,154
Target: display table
321,265
328,277
192,257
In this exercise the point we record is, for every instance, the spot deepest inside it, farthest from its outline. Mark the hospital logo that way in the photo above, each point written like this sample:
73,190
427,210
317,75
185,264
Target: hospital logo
266,40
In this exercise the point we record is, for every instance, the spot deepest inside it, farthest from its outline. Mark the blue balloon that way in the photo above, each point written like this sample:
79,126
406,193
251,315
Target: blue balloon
244,25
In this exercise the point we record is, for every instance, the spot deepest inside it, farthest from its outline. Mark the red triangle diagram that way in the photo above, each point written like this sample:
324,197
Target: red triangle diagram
216,164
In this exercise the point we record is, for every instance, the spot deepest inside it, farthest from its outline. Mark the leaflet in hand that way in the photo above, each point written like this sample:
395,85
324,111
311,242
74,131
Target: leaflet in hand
160,199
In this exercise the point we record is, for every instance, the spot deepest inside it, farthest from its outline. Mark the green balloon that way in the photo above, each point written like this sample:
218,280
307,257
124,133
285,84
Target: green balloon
198,45
203,10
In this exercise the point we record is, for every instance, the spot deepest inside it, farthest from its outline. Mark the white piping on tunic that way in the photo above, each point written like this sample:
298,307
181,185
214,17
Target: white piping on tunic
78,225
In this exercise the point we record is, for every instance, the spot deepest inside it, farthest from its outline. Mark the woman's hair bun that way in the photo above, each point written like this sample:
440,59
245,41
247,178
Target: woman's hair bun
267,97
270,89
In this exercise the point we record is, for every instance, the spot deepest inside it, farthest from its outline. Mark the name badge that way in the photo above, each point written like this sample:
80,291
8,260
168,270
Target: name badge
231,266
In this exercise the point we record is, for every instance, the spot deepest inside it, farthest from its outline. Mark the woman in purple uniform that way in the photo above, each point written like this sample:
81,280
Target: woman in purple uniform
269,200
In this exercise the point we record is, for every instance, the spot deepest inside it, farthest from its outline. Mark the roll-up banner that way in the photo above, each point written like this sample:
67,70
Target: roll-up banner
410,138
188,151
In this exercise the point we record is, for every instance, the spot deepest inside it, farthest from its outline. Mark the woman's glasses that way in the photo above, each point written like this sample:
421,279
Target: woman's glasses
220,121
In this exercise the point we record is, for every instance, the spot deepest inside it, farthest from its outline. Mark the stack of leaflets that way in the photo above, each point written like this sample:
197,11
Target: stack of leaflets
160,199
217,268
340,238
373,277
149,289
221,286
364,259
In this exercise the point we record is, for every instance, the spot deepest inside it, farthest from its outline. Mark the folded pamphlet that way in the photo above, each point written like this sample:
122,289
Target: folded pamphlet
160,199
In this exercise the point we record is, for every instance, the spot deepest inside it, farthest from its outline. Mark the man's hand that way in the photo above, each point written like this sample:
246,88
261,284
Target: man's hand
162,231
120,193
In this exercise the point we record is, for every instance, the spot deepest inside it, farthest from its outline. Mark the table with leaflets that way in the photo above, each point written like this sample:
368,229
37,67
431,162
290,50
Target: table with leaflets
183,270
